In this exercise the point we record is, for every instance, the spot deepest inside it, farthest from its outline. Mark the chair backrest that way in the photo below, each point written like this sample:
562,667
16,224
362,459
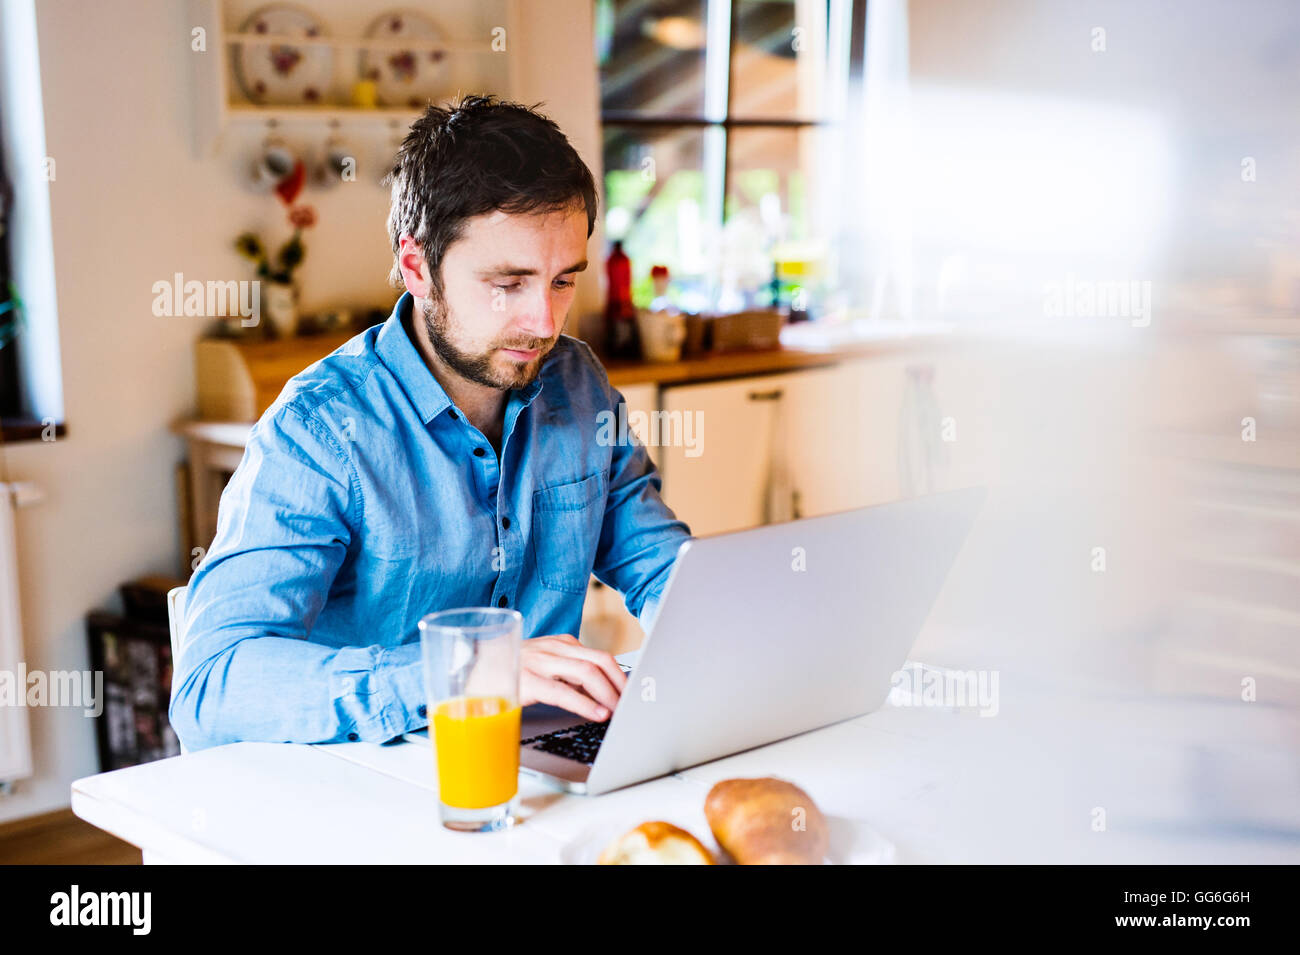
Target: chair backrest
175,623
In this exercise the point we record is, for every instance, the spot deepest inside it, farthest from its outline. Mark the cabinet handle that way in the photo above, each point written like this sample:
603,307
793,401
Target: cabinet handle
772,395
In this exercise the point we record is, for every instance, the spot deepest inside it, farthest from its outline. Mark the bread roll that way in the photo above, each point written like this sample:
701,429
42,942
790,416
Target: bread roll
656,843
767,822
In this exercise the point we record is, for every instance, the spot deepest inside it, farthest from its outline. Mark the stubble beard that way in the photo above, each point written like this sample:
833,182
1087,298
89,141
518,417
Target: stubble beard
473,367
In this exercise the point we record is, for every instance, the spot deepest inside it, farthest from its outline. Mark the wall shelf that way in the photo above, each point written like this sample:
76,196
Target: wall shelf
241,113
219,104
361,43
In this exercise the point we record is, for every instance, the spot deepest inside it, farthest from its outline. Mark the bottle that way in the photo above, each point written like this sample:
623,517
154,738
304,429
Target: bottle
621,338
661,302
774,288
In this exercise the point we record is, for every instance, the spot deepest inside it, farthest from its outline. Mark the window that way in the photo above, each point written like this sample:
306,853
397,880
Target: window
11,313
717,115
31,390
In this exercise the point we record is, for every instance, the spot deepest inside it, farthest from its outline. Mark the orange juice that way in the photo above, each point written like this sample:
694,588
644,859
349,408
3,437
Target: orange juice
477,745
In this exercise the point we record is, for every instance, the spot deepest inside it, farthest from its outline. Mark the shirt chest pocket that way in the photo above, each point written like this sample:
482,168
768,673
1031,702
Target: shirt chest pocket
566,529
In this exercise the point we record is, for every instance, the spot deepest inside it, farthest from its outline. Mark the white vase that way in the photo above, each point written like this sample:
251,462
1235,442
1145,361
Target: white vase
280,308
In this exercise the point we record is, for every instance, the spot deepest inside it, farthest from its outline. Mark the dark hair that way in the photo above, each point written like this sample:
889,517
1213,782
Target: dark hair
478,156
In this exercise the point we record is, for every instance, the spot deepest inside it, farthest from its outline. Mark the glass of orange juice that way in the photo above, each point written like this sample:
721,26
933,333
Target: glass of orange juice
471,676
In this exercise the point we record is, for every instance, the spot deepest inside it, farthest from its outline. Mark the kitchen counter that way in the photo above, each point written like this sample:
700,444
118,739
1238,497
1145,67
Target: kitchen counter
802,346
238,380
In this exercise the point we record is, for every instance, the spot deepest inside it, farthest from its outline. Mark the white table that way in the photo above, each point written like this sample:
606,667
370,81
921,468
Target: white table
1179,782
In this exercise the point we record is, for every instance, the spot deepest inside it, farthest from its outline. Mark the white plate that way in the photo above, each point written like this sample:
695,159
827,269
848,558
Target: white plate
405,77
852,842
281,74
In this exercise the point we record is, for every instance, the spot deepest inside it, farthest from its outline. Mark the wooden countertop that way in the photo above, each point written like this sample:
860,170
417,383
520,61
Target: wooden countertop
238,380
713,366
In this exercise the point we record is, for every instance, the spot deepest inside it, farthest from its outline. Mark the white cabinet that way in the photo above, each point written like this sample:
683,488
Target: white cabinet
807,448
842,436
811,442
727,480
942,430
915,424
778,447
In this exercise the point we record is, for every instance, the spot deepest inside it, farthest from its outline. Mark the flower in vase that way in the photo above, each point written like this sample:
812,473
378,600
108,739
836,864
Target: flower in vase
302,217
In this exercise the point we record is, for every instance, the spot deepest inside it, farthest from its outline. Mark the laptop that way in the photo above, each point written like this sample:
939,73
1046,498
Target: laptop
761,635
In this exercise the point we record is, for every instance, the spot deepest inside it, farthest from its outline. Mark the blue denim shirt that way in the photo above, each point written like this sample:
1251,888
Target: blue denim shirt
366,500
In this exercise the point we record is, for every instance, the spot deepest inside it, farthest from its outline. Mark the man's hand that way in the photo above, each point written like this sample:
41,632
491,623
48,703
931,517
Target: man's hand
562,672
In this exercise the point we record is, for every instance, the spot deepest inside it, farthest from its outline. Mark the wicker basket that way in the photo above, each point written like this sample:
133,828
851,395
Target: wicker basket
757,328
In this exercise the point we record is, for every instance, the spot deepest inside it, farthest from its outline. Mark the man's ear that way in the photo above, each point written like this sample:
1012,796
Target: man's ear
414,268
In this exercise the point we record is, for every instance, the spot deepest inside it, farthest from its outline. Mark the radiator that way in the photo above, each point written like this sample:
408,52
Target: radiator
15,735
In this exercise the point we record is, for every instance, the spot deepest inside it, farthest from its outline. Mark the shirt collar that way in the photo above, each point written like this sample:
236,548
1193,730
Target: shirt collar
399,354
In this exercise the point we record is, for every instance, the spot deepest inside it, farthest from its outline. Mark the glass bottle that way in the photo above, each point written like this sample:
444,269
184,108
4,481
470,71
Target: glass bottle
621,338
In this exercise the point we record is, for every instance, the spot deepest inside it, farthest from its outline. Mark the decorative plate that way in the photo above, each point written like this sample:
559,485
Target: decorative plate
283,74
405,77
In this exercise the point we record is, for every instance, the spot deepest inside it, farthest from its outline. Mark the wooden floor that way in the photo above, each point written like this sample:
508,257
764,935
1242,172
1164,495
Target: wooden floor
60,838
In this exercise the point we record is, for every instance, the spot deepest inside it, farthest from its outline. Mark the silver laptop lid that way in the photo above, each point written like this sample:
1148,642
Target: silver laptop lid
766,633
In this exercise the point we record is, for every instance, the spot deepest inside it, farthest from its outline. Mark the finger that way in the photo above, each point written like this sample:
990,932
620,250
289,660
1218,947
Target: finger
601,658
587,676
545,690
608,665
579,672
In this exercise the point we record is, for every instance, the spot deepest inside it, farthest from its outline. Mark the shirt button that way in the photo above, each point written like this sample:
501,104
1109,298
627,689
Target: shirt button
453,416
479,452
501,601
354,737
423,711
505,522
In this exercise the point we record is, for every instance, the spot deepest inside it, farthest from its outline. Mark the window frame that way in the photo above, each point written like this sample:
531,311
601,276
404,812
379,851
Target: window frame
845,43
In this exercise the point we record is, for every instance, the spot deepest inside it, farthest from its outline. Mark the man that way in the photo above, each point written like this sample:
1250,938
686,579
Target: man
451,457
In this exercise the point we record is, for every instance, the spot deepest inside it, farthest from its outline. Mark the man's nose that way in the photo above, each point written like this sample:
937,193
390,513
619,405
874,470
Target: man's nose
538,319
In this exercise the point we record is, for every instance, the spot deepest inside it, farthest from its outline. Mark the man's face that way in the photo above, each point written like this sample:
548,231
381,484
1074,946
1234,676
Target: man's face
508,284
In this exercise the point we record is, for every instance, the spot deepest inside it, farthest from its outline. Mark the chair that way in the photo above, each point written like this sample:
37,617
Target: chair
175,622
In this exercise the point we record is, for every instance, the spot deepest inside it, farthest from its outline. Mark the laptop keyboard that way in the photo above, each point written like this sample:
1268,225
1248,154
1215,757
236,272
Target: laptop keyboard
578,743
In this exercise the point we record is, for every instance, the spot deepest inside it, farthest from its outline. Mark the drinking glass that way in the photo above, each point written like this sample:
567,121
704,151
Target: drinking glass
471,676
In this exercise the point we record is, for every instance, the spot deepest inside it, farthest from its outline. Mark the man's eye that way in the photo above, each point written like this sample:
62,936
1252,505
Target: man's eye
562,283
508,288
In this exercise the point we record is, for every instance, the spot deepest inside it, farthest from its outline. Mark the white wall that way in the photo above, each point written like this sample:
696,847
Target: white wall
131,204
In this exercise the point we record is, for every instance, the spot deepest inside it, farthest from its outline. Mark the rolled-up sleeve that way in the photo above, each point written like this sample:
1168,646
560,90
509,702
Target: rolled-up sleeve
247,668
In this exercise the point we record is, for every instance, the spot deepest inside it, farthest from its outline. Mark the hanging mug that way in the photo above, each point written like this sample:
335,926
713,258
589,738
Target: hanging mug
272,163
338,162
